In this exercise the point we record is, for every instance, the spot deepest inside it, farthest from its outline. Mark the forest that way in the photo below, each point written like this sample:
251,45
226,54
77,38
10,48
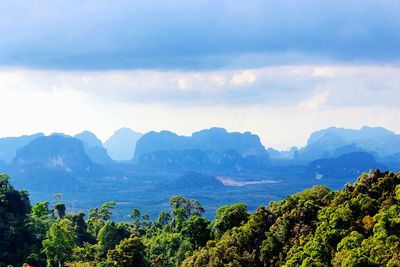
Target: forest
356,226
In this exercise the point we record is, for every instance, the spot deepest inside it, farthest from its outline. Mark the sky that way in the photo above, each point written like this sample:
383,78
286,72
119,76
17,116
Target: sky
280,69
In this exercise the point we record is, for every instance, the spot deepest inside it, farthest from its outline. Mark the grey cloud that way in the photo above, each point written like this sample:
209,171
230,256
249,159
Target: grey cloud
188,35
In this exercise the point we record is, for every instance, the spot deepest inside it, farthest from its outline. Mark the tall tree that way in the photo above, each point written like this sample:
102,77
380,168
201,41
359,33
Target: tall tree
14,235
128,253
60,240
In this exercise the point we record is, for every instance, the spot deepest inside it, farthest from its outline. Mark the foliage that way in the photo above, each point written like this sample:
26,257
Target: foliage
130,252
230,216
356,226
59,242
14,235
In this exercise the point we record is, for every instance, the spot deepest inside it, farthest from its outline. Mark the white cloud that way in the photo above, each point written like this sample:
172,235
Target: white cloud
283,104
243,78
324,72
316,101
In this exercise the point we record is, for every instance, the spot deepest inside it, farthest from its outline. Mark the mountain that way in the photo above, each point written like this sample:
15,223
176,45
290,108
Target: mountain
10,145
203,160
393,162
53,164
351,135
345,167
94,148
217,139
334,142
89,139
282,155
323,143
122,144
192,180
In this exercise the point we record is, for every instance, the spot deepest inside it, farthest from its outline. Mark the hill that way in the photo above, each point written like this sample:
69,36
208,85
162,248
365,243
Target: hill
53,163
377,140
343,168
94,147
334,142
122,144
203,160
10,145
217,139
195,180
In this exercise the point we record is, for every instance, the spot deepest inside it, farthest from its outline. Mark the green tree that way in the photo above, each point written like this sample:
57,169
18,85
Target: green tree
40,209
97,216
190,206
197,231
135,215
15,237
106,210
130,252
80,227
163,219
228,217
59,242
59,210
109,236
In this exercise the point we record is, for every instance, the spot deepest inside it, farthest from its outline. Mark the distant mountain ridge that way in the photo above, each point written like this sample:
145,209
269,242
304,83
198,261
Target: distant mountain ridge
348,166
333,142
53,163
80,169
351,135
122,144
213,150
57,153
10,145
203,160
217,139
94,147
377,139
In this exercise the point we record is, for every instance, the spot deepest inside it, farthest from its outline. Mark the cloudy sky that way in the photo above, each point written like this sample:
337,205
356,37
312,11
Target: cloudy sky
281,69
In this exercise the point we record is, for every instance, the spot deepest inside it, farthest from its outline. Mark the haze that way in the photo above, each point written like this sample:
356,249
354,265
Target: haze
187,65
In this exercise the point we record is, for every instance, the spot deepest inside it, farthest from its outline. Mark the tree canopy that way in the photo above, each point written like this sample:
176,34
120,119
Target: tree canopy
356,226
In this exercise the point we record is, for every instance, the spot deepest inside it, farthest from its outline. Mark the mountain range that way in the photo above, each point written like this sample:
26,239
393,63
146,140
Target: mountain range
214,148
333,142
158,162
216,139
121,145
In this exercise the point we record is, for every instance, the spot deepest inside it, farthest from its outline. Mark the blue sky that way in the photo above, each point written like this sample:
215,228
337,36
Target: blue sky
263,66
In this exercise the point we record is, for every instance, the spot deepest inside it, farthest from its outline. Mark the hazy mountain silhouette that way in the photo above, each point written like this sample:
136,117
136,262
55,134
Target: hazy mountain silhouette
53,164
10,145
217,139
89,139
191,180
121,145
203,160
393,162
345,167
94,147
56,153
377,139
333,142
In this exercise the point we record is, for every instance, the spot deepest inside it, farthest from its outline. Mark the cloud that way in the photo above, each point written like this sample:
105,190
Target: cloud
315,101
197,35
307,86
245,77
278,126
283,104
